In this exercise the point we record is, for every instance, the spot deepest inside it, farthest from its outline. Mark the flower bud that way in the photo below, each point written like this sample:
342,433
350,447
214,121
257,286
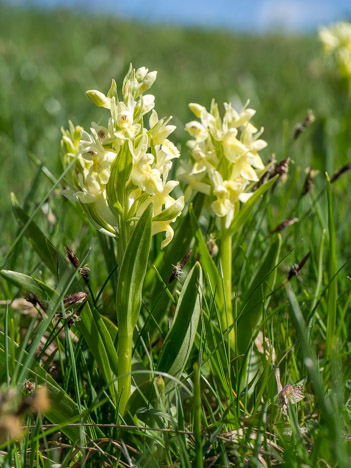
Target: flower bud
112,92
98,98
141,73
196,109
148,81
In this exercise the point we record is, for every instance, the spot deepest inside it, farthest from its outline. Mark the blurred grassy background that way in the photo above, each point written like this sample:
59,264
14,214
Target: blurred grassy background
49,59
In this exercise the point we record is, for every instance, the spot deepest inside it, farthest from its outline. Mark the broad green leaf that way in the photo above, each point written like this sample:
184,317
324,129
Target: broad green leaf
100,344
111,327
128,299
247,207
132,273
166,260
180,338
52,258
27,283
207,262
120,172
261,285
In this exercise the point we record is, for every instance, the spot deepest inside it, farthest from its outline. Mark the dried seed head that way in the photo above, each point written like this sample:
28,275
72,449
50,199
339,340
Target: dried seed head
73,319
295,269
301,127
308,185
340,172
28,386
84,273
212,245
72,258
281,169
175,273
285,224
73,299
34,299
268,174
177,269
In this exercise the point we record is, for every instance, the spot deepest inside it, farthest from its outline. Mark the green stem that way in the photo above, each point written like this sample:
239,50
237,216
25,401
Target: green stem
197,418
226,260
125,347
125,336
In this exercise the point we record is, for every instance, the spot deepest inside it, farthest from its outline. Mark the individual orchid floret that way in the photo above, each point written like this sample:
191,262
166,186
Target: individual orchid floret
121,165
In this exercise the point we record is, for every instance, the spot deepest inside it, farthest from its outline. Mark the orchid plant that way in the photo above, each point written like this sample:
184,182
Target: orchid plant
120,178
225,163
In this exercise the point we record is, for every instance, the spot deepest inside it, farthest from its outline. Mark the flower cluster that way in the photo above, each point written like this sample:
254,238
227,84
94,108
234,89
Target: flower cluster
224,154
122,167
336,42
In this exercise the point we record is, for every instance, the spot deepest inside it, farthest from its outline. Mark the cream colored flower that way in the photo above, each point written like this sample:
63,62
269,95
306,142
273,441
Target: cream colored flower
145,177
224,155
227,193
159,130
122,166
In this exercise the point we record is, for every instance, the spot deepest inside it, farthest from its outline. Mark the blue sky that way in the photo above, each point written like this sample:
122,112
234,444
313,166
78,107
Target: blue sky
249,15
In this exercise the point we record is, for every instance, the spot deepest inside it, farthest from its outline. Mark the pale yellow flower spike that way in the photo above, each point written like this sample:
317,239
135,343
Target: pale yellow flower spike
336,41
147,154
224,155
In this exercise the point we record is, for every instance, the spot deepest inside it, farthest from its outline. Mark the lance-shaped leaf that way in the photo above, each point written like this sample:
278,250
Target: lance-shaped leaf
132,272
165,262
180,338
27,283
261,285
207,262
247,207
120,172
100,344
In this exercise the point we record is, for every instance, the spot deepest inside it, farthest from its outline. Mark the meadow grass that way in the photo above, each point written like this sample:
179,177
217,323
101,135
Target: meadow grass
221,406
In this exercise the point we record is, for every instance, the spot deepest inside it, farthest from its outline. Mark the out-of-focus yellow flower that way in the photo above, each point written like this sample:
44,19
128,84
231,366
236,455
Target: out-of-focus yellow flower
123,166
224,157
336,41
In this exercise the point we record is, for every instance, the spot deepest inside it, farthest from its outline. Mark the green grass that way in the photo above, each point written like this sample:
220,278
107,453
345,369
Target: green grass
218,406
